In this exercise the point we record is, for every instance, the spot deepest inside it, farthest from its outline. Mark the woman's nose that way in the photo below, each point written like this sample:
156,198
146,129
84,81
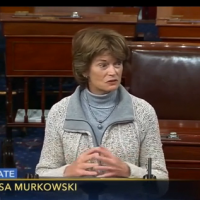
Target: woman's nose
111,70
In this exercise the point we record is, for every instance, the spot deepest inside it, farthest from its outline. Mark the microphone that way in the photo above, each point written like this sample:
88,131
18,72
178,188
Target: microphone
149,175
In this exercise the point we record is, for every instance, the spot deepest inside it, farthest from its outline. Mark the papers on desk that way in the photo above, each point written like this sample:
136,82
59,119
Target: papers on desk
34,115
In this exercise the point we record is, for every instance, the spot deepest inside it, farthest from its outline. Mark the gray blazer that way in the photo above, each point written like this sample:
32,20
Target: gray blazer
133,136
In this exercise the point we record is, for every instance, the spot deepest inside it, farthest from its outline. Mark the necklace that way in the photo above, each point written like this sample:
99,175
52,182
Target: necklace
99,126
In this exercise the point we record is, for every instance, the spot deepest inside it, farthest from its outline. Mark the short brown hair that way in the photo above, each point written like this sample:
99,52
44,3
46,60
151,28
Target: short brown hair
91,42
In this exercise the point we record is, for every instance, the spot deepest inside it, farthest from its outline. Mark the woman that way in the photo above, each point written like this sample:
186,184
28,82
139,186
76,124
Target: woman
101,130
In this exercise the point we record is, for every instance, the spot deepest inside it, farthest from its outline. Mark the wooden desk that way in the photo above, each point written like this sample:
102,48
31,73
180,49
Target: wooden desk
46,42
182,152
178,24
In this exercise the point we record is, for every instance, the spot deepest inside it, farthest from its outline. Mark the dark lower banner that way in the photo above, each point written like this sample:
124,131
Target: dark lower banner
94,189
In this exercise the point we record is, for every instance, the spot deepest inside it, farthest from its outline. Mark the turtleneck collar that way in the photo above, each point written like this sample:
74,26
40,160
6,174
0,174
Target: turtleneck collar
101,101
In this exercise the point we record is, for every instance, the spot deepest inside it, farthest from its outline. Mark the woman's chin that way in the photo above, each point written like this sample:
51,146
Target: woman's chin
111,88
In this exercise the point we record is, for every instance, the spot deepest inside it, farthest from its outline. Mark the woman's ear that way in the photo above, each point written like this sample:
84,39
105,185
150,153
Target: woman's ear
85,75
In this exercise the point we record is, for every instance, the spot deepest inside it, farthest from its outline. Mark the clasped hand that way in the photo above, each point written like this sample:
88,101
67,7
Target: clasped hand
112,165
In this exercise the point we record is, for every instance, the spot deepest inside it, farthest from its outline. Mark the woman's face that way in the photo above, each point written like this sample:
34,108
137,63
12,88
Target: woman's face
104,74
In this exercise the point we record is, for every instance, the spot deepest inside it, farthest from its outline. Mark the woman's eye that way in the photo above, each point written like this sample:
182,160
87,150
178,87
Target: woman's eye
102,65
119,63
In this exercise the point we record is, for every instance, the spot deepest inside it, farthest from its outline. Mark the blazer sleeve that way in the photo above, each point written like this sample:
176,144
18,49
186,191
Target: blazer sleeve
150,147
52,161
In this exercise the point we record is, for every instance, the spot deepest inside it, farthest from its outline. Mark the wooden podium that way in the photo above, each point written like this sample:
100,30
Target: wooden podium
178,24
38,44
